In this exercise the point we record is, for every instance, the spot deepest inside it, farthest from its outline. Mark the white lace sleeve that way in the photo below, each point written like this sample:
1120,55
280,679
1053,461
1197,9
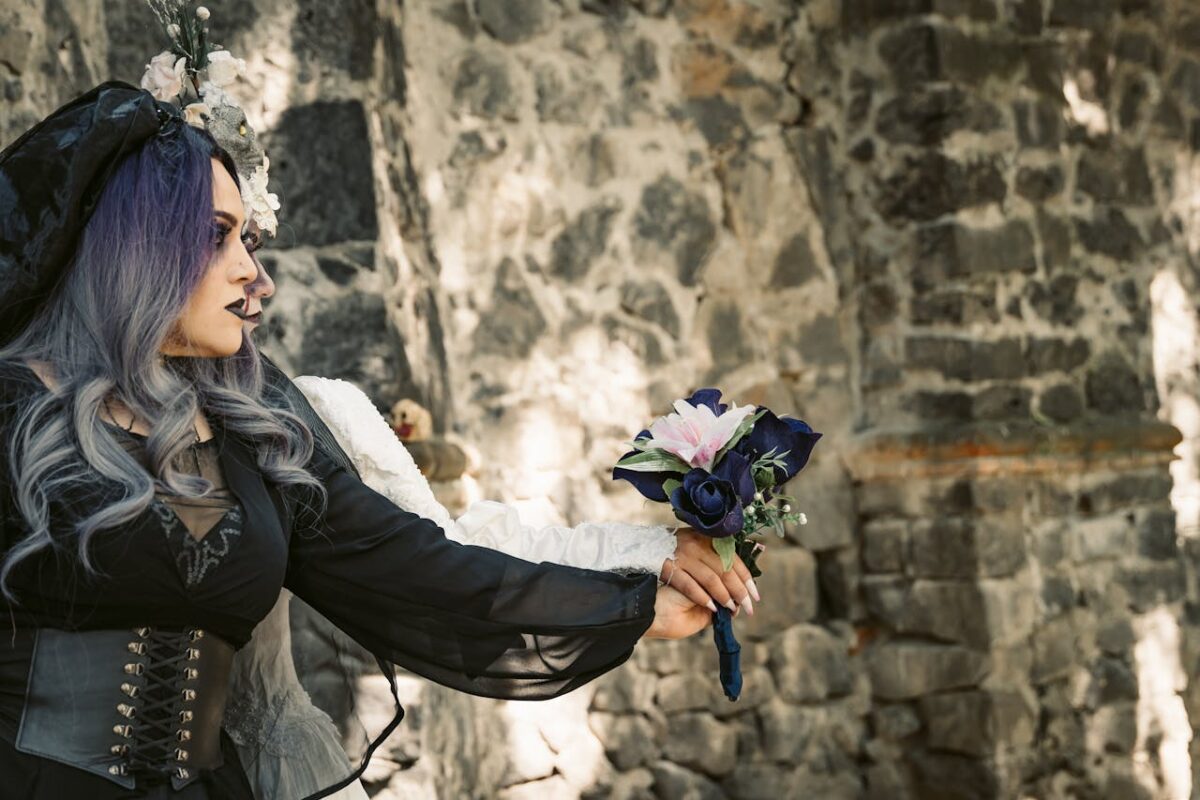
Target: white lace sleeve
387,467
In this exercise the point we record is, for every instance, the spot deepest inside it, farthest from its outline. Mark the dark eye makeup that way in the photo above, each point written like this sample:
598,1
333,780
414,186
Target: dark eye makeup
251,239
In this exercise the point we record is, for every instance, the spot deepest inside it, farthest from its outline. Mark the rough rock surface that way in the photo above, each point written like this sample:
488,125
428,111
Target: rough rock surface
959,236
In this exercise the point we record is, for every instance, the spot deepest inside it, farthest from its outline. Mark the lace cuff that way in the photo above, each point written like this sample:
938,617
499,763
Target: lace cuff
388,468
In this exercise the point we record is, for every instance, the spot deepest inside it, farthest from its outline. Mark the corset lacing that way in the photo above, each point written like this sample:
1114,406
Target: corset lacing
155,714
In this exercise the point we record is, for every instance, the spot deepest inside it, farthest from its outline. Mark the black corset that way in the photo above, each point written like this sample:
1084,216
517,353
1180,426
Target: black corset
140,707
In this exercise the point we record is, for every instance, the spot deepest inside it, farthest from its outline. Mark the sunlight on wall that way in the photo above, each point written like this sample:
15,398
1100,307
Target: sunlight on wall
553,737
1173,321
1161,716
1089,114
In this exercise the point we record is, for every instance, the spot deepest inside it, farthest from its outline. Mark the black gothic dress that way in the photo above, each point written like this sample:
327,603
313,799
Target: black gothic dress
466,617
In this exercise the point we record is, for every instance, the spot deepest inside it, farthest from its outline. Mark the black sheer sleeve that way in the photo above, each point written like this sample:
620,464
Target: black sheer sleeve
466,617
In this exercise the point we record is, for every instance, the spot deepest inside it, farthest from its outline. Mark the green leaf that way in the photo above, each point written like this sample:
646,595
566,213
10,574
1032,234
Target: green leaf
670,485
654,460
726,548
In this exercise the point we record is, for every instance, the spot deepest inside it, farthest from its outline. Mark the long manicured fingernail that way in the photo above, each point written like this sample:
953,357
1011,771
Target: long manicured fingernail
746,604
712,606
753,589
732,606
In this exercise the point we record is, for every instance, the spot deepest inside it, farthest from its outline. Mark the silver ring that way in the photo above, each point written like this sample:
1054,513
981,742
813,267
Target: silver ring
671,576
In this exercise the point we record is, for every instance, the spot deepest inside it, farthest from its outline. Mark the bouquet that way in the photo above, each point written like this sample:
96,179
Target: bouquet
721,467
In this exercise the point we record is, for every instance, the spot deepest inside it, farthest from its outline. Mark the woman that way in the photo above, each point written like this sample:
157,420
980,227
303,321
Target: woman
157,492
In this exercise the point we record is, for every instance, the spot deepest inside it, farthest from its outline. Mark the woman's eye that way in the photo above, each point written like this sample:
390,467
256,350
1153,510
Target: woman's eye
253,242
221,231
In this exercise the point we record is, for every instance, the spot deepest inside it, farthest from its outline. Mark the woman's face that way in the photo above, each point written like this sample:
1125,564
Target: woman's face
229,295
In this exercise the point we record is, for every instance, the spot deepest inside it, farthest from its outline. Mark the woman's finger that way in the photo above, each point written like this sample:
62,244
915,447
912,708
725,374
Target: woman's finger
687,586
743,572
714,584
737,589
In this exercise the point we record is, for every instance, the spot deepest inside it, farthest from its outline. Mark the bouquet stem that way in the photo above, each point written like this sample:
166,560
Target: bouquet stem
729,653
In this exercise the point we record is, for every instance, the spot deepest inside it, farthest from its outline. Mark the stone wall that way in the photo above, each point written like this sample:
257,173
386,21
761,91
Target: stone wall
955,235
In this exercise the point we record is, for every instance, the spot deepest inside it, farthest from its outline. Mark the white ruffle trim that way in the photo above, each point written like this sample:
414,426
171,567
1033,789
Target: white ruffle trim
388,468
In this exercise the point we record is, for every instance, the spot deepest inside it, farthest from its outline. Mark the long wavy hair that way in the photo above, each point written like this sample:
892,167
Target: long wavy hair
146,246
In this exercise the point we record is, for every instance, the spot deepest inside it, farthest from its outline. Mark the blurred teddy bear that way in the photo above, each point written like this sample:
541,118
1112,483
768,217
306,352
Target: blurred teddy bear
411,422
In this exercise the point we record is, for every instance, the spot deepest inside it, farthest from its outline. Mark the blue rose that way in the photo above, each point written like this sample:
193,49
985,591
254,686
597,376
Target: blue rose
712,503
784,435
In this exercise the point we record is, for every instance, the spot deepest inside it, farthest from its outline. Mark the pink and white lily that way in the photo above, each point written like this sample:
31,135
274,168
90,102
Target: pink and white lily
695,433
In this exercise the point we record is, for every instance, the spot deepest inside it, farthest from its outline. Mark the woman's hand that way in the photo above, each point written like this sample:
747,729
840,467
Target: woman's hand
697,572
675,616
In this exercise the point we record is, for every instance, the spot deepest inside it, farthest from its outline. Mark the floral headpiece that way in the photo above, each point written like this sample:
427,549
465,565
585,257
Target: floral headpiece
193,74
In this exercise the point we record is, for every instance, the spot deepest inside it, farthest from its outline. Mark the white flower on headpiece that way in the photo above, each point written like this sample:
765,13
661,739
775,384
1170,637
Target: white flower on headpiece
260,204
224,69
202,14
164,75
215,96
194,114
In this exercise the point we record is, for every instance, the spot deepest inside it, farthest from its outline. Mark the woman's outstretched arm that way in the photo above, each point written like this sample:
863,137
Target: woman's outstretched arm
385,465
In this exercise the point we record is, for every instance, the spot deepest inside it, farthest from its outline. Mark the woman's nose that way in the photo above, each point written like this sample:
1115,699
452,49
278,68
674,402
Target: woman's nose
262,286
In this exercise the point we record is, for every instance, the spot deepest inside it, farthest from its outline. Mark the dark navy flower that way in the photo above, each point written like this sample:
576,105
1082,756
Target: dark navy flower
650,484
735,468
710,398
791,438
709,504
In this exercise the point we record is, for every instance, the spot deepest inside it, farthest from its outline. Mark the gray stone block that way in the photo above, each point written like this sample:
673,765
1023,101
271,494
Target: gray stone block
953,250
1116,175
894,721
929,114
966,359
949,776
341,35
789,592
829,736
629,739
965,548
884,545
929,185
810,664
678,221
513,21
1061,403
514,322
483,86
1039,123
795,265
701,743
902,670
650,301
327,194
1038,184
583,241
978,723
1110,233
672,780
1113,387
